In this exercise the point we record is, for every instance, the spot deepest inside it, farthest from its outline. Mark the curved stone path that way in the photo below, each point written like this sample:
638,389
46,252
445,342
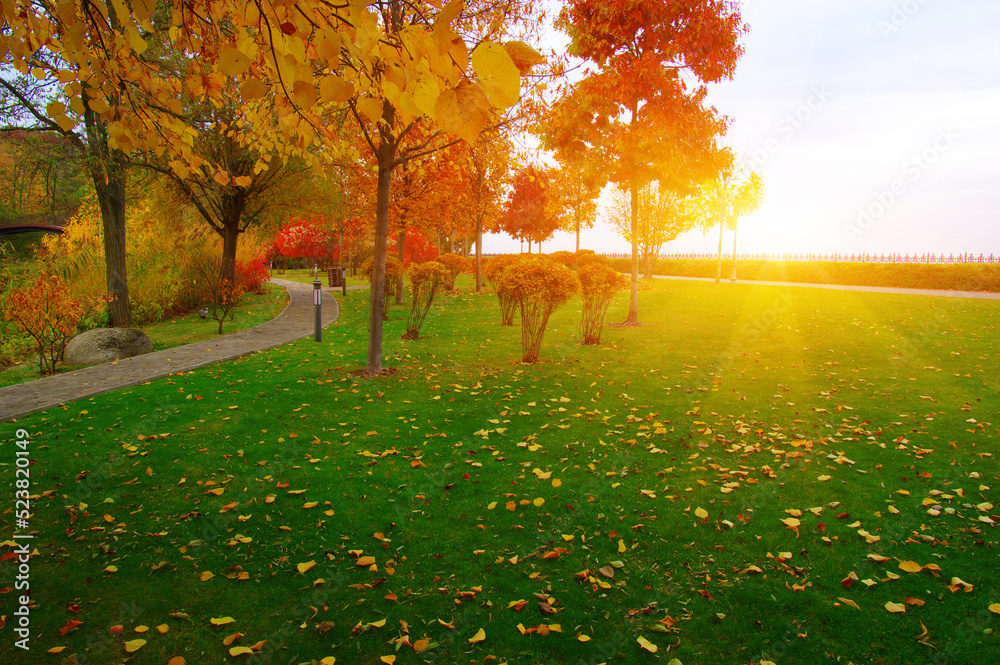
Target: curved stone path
295,322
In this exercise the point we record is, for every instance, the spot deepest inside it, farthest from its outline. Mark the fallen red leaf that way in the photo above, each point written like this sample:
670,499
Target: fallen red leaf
70,625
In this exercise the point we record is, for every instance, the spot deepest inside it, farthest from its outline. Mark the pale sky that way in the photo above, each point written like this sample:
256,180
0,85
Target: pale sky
873,122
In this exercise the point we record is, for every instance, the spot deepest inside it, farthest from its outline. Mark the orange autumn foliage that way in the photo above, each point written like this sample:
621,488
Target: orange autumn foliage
538,285
45,312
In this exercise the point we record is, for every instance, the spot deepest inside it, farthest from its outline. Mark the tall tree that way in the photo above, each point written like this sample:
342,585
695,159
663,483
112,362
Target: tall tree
662,216
527,213
31,100
421,43
724,200
573,197
489,172
640,110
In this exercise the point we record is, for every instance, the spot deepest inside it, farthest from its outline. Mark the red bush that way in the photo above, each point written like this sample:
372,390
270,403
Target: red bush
252,275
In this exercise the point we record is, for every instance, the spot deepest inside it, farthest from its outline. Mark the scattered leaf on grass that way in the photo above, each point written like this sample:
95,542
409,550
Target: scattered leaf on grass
910,567
647,645
240,651
222,621
848,601
478,637
307,566
134,645
70,625
895,608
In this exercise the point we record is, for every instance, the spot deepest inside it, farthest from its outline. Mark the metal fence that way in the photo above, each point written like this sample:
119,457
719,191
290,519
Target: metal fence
837,258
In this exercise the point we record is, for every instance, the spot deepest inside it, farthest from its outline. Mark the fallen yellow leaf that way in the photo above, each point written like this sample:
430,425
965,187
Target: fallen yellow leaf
910,567
307,566
848,601
701,514
478,637
896,608
134,645
647,645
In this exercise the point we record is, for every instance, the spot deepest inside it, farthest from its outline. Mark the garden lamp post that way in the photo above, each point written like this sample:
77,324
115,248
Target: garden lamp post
318,308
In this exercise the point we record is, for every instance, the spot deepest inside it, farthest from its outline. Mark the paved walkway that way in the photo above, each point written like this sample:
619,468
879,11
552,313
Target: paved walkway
985,295
295,322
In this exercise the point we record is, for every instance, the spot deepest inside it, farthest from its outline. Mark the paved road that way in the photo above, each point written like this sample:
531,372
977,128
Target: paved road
838,287
295,322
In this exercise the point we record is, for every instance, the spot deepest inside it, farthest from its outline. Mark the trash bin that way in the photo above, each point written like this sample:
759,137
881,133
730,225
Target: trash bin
336,277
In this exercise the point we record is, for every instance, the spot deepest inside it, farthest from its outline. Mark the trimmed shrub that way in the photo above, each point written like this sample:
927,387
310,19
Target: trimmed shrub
455,265
425,279
589,256
568,259
598,285
493,274
538,285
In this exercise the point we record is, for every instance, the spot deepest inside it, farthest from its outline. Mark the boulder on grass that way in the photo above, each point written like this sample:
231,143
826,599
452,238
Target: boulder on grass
103,344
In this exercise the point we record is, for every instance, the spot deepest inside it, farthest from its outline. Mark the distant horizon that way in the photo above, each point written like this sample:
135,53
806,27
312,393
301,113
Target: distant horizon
872,122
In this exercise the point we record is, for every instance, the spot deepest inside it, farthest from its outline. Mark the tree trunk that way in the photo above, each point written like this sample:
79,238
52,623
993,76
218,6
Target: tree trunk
577,215
386,156
718,271
401,247
633,305
465,240
111,198
479,252
108,172
230,236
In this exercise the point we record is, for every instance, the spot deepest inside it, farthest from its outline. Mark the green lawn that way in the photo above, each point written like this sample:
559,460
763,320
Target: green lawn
179,330
630,490
307,277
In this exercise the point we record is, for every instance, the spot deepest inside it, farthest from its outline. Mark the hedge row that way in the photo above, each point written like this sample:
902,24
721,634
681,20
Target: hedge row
957,277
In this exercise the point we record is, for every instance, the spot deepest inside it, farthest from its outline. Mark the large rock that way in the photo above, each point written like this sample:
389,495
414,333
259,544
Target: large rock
103,344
